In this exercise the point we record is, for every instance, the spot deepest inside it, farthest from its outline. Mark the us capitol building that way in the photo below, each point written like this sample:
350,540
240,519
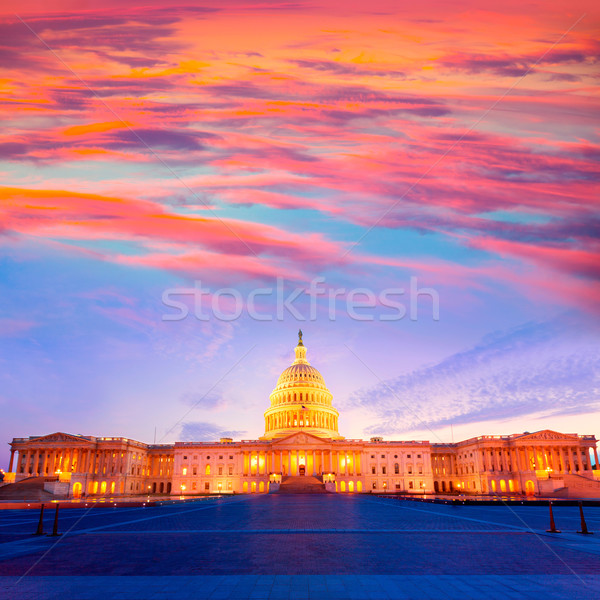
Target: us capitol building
302,450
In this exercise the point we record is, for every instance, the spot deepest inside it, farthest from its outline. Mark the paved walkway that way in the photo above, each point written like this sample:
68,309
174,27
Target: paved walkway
301,547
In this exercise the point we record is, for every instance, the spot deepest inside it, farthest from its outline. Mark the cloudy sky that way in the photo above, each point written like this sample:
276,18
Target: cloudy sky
182,187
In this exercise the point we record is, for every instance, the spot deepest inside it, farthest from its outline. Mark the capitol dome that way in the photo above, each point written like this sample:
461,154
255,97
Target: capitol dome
301,401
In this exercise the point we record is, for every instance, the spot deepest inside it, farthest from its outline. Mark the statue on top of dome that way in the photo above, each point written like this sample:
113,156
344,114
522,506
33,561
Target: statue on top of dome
300,337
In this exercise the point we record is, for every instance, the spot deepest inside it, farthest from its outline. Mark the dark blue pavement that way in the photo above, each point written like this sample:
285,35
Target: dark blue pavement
301,547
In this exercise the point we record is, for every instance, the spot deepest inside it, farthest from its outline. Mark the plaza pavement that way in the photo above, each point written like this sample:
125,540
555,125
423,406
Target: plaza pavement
301,547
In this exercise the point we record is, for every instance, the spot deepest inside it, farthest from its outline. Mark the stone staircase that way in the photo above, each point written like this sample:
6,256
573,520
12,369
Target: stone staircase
570,485
302,484
30,489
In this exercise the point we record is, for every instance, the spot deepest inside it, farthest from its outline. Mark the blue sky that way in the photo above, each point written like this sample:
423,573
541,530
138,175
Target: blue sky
243,145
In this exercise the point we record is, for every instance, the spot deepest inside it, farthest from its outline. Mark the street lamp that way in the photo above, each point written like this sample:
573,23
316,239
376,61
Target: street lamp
182,490
148,493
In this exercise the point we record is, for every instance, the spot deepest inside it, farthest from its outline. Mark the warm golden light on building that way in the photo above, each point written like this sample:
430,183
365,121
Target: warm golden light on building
301,401
301,449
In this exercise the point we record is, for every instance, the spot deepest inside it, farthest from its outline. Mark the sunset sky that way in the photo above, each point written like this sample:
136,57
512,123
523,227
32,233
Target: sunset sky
153,147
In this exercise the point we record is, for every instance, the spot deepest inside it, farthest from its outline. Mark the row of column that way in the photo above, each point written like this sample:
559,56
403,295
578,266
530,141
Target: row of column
448,466
531,458
301,418
309,397
71,460
160,465
288,462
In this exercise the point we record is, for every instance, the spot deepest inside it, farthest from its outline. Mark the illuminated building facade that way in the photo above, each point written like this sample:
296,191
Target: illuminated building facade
301,440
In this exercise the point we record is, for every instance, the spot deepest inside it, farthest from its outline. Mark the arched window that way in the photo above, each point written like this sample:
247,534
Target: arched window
207,470
76,489
396,468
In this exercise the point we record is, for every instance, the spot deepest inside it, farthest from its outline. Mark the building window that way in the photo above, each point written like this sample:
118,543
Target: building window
420,470
193,485
373,470
220,470
396,468
372,456
208,458
418,456
231,458
408,456
383,470
195,470
374,485
395,456
410,469
184,471
185,458
410,485
383,456
220,458
231,470
207,486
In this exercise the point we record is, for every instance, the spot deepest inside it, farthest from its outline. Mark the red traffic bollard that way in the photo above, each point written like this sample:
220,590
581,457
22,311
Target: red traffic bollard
40,527
55,528
584,529
552,524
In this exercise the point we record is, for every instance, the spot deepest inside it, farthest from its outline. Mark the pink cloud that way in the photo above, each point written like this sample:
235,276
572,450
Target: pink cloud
15,327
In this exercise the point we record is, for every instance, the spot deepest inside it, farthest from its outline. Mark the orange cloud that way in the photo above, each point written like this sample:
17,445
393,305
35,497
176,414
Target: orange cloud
259,248
96,127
